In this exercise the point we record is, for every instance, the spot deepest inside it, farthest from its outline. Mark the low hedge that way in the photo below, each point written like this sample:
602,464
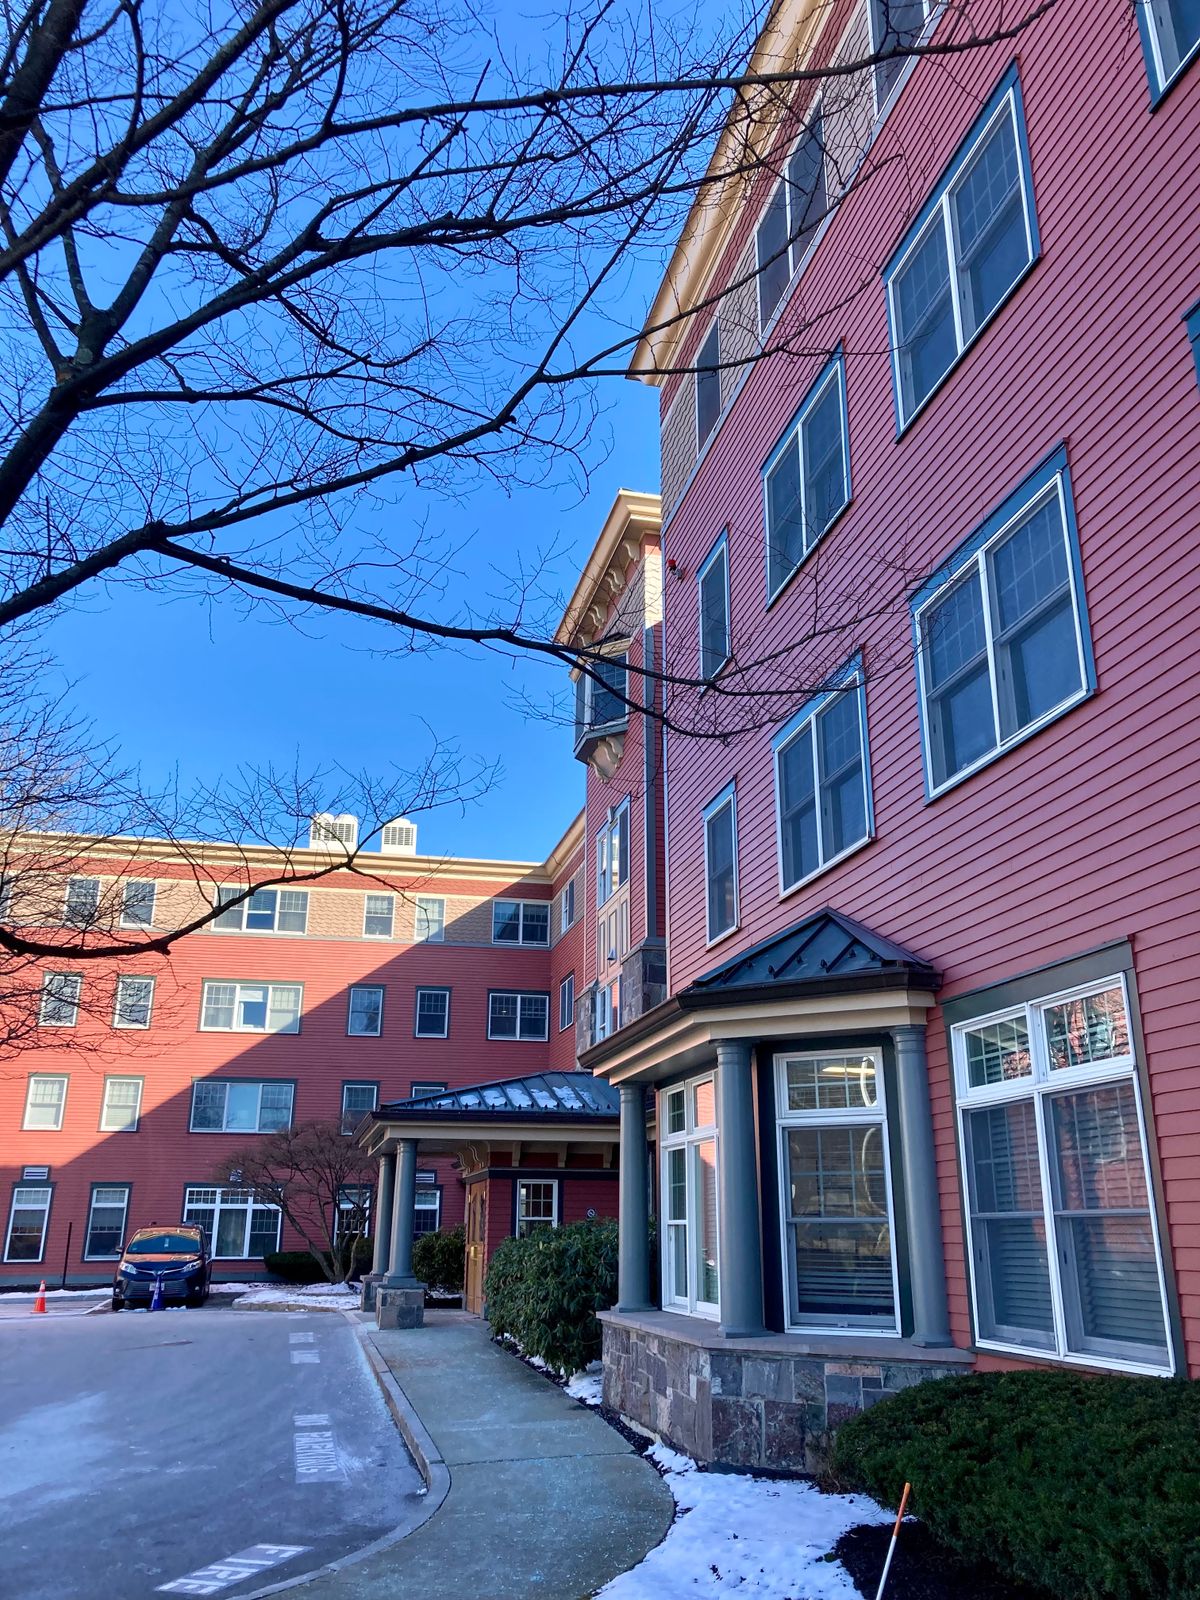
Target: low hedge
543,1291
301,1266
1087,1487
438,1259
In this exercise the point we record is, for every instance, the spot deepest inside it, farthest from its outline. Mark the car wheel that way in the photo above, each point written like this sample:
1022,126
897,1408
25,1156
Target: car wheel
117,1303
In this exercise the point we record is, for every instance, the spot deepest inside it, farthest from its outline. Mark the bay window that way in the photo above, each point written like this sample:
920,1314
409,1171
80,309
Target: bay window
688,1139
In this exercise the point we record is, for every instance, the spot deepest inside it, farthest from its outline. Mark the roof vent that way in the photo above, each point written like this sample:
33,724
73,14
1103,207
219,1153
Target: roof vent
326,829
399,837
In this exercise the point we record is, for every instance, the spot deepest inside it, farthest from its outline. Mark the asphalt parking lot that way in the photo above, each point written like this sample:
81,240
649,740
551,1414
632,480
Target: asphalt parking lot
190,1452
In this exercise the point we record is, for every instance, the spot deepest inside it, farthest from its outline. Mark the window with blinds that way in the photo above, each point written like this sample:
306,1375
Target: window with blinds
1064,1250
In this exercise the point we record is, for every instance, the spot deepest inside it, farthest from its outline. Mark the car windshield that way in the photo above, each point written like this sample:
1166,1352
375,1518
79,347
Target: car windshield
158,1244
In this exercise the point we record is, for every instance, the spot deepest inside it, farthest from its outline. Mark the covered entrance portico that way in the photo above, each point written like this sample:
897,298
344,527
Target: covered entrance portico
801,1260
532,1151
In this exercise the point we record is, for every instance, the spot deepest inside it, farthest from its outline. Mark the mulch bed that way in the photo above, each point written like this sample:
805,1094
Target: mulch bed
922,1569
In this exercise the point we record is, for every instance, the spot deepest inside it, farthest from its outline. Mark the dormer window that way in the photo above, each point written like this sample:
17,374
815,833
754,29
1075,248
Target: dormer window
602,705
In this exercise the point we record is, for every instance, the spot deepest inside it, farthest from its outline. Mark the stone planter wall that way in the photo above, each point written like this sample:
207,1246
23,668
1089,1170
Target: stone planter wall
745,1408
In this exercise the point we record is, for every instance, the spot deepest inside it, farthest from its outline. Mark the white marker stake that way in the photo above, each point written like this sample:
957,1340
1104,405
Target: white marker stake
887,1565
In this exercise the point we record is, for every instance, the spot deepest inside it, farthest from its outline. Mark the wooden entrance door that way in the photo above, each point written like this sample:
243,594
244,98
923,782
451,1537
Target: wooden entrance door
476,1247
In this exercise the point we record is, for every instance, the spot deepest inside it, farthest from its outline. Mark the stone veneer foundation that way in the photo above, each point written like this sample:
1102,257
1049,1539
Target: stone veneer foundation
774,1401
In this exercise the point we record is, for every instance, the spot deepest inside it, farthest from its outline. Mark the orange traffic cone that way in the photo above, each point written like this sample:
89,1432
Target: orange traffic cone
40,1303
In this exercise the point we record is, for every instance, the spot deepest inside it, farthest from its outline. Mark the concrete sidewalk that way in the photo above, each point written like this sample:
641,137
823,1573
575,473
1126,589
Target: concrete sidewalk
543,1498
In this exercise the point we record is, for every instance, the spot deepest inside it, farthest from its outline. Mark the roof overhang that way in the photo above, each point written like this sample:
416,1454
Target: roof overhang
634,517
445,1133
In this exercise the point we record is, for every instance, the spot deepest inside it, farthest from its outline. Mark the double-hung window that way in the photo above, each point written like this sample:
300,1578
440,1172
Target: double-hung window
240,1105
1002,636
712,584
612,853
137,903
364,1019
237,1227
966,253
352,1212
822,788
379,915
708,385
566,1003
806,480
106,1221
83,902
513,1015
520,922
265,911
60,999
357,1100
433,1014
601,694
429,918
896,26
427,1207
794,212
1063,1238
537,1205
690,1270
27,1220
835,1191
45,1101
720,864
1170,37
250,1007
134,1002
122,1105
566,902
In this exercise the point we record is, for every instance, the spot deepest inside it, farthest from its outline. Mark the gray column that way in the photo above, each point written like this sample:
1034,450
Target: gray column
400,1272
382,1220
739,1225
927,1262
633,1225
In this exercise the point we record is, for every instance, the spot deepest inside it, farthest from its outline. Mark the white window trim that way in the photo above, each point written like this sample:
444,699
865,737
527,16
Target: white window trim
419,902
615,825
942,216
719,550
567,895
56,1077
89,1255
978,560
933,15
243,907
237,984
121,1077
520,995
133,977
1040,1084
431,988
567,984
834,372
48,1190
358,1083
795,268
727,797
537,1222
381,894
74,978
533,944
126,920
873,1116
587,729
364,1033
259,1084
692,1135
1163,79
713,332
248,1206
429,1190
806,724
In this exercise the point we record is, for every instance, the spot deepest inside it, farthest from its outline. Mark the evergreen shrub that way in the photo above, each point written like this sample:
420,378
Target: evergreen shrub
438,1259
543,1291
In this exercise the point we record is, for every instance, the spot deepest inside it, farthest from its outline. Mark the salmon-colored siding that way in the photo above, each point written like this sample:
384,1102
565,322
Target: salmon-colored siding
1086,833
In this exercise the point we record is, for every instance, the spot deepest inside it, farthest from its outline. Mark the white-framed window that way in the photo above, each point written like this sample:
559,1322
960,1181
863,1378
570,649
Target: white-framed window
612,853
520,922
1002,637
122,1105
513,1015
537,1205
1063,1241
379,916
420,1087
566,1003
427,1215
364,1018
606,1013
250,1007
357,1100
970,247
822,787
794,212
895,25
7,888
835,1191
688,1137
28,1217
237,1227
566,906
45,1101
602,694
432,1019
806,480
712,596
1171,37
106,1221
134,1003
352,1216
708,385
720,864
137,903
429,918
265,911
240,1105
82,903
60,999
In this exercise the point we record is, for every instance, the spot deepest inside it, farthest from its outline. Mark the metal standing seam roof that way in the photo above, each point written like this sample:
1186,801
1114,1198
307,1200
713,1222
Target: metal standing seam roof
825,949
563,1096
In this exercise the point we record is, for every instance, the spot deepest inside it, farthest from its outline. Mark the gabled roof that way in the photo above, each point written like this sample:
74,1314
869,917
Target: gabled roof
826,952
539,1097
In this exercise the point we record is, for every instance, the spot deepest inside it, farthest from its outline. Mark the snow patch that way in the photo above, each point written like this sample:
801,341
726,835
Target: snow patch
587,1386
307,1296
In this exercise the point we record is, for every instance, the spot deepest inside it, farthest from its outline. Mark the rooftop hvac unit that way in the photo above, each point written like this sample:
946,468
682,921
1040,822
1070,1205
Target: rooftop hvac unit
327,829
399,838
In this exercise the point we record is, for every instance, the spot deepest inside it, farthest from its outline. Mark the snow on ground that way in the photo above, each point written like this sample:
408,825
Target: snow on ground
756,1538
310,1296
52,1294
587,1386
